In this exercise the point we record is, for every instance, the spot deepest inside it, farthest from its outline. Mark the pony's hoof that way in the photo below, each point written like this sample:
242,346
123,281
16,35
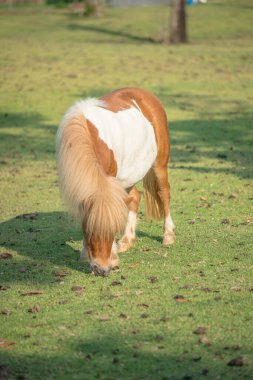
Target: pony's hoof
169,239
125,244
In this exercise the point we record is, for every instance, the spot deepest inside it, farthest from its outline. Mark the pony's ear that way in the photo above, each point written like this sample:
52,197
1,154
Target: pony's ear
128,200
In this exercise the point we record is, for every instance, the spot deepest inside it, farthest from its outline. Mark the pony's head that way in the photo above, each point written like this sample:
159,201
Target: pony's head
101,254
103,216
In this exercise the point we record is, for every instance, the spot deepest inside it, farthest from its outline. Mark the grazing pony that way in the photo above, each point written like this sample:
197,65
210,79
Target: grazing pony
104,147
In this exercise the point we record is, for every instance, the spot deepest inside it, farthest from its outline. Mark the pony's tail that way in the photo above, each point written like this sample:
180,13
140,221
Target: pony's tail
92,196
153,204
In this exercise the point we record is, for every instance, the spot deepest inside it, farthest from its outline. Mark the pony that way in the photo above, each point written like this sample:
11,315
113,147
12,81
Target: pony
105,146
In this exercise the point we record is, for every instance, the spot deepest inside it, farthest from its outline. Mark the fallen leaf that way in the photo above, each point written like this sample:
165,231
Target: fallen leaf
225,221
143,305
204,340
197,359
146,249
236,362
246,222
7,344
236,288
133,331
34,309
27,335
77,289
122,315
164,319
133,266
60,273
218,194
235,347
5,255
63,302
205,205
152,279
29,216
22,270
5,312
88,312
200,330
186,286
104,318
206,290
181,299
191,221
40,324
159,338
33,293
3,288
222,156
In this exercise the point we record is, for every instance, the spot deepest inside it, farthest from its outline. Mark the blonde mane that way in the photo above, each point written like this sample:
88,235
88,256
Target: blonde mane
95,198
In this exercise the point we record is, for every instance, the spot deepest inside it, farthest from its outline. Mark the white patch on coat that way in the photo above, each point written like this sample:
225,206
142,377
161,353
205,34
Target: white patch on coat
169,225
131,226
128,134
79,108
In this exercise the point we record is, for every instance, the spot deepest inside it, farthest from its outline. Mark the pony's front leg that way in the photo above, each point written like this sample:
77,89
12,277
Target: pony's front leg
168,234
114,256
129,237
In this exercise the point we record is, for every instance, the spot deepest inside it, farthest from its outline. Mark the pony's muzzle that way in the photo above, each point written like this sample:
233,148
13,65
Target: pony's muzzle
98,271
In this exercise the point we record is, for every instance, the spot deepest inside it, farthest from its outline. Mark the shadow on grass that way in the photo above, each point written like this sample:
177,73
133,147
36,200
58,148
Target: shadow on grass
26,135
132,357
118,36
43,240
227,142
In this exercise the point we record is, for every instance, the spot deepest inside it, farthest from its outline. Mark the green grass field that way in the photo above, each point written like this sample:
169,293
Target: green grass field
130,325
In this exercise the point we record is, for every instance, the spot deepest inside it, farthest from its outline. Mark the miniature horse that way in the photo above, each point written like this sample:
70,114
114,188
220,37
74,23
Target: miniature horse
104,147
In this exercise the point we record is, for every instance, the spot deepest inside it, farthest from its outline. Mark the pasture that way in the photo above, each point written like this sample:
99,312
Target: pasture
170,313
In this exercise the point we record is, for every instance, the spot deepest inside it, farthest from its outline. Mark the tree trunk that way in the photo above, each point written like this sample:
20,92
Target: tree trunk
178,33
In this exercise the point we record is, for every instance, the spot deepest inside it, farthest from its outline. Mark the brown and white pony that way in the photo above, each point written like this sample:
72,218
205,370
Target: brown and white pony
104,147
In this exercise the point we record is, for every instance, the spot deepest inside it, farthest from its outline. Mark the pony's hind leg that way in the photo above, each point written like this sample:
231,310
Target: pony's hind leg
164,194
129,237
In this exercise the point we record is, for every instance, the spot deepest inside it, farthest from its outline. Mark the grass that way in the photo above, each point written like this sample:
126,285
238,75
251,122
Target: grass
129,325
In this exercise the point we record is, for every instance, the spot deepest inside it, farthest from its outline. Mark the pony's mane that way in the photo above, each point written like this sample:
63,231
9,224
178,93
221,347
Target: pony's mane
94,197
